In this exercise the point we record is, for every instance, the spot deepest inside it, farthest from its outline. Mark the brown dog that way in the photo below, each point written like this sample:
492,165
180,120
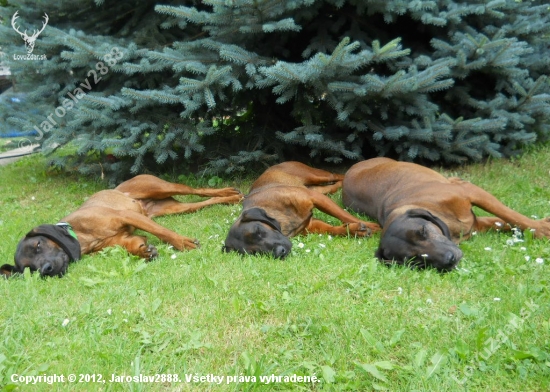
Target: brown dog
280,205
109,218
423,214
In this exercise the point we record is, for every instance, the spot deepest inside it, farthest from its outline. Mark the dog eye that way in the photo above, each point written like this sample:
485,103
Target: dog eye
423,232
259,233
37,249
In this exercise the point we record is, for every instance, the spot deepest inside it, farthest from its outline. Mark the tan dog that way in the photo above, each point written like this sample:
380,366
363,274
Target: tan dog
423,214
280,205
109,218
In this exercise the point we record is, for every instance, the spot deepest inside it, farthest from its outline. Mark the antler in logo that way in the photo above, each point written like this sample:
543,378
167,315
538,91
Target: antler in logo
29,40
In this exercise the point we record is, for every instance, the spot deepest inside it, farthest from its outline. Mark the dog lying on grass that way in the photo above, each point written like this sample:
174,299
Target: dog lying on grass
280,205
109,218
423,214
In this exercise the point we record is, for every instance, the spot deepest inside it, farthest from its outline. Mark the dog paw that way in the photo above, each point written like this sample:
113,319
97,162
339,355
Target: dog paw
194,244
374,227
190,243
363,229
225,192
234,199
543,229
148,252
359,229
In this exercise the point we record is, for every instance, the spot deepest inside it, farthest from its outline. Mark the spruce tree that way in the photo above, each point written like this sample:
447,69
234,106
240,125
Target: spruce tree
227,85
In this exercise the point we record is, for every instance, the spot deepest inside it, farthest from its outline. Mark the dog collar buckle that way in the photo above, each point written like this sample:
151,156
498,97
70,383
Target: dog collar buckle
69,229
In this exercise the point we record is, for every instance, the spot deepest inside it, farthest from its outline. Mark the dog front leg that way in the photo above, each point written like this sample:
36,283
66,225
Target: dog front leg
359,229
136,245
138,221
484,223
325,204
484,200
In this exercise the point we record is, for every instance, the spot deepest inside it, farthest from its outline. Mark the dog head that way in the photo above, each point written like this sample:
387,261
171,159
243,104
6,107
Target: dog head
47,249
419,239
256,232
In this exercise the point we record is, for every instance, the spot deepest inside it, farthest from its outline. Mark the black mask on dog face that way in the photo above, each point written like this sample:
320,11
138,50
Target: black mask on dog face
47,249
419,239
255,232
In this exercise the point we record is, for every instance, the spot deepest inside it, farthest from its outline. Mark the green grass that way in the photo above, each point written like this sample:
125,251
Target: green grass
329,310
11,143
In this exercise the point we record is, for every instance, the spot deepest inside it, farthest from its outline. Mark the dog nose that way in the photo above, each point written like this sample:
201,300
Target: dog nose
280,252
46,269
451,258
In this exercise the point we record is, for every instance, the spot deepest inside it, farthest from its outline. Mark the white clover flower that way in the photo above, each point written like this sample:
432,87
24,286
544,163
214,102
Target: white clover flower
488,248
424,255
65,322
510,242
539,260
109,312
429,301
523,248
399,290
322,245
173,256
496,299
301,245
527,258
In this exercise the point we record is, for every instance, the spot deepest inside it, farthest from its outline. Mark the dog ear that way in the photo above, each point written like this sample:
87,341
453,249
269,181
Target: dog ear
7,270
427,215
258,214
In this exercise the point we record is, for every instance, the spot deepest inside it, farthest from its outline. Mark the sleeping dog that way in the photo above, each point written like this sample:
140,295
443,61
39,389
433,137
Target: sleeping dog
109,218
280,205
423,214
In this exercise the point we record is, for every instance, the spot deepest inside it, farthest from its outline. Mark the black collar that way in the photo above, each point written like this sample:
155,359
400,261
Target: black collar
63,235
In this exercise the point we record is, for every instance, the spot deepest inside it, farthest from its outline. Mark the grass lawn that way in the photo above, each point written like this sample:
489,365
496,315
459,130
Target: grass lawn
329,311
7,144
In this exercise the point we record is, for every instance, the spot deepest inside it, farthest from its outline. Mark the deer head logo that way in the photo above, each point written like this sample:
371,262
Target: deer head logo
29,39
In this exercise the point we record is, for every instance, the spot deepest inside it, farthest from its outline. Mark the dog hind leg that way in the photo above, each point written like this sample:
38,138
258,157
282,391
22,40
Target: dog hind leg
297,173
145,186
170,205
